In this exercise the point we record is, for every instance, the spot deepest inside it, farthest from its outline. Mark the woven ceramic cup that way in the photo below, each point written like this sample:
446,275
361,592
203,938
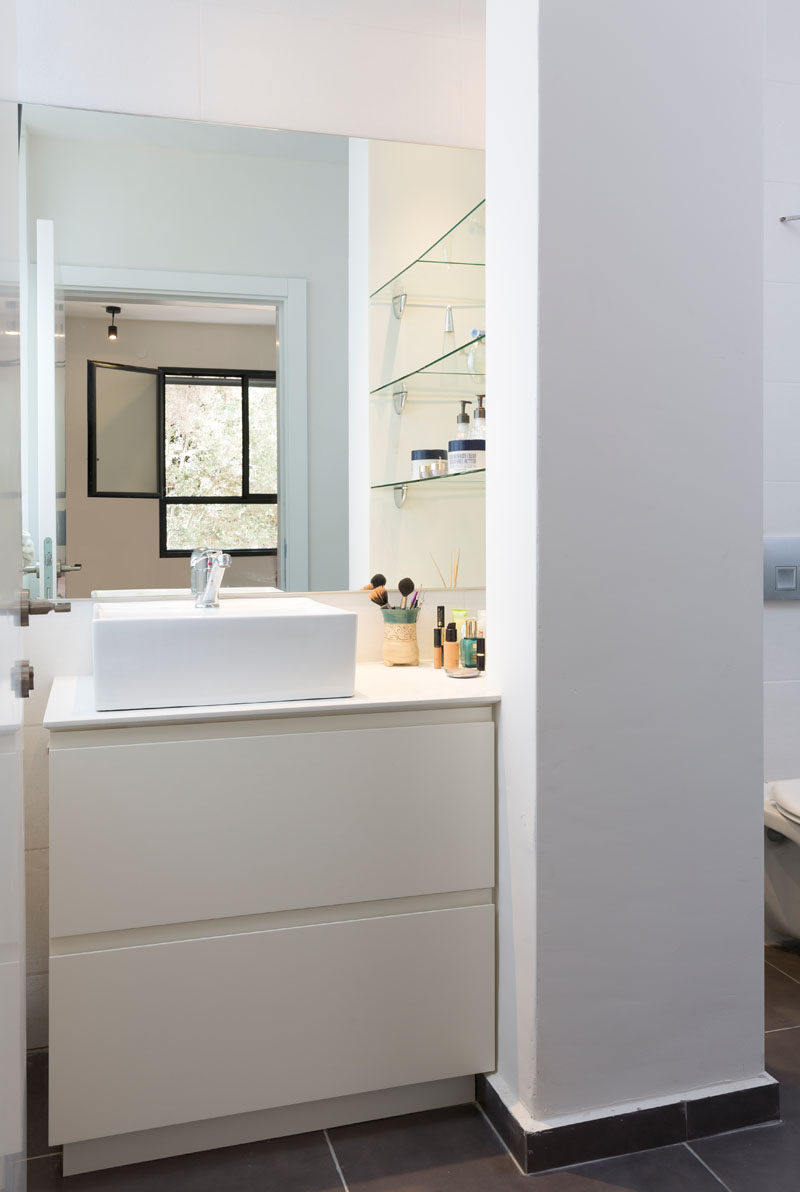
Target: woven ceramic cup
400,637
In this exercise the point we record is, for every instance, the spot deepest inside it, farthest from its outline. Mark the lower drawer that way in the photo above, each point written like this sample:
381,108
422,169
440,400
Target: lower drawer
158,1034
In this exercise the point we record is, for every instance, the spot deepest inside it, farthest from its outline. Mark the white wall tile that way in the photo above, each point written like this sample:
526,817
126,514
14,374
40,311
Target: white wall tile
37,1010
781,143
782,432
781,730
37,787
782,641
141,57
36,910
351,67
781,240
783,41
781,331
782,509
406,86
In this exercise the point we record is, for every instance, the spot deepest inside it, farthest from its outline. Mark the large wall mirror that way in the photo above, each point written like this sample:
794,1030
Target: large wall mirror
264,318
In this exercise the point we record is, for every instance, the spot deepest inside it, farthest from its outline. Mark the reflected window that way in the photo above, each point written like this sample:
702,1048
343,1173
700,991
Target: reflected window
220,462
203,443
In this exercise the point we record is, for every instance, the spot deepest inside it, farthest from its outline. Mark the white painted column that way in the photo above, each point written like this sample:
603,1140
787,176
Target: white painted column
630,766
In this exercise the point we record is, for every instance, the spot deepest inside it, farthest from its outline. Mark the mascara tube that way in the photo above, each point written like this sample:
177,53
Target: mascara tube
437,648
480,653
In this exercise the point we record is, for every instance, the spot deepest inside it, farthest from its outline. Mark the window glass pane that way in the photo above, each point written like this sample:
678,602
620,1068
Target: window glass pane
228,527
126,429
263,438
203,440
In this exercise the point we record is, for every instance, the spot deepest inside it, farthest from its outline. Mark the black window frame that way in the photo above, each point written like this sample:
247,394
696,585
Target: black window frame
91,425
197,376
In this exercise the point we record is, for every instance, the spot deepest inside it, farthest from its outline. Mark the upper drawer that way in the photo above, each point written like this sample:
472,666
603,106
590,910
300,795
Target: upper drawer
170,832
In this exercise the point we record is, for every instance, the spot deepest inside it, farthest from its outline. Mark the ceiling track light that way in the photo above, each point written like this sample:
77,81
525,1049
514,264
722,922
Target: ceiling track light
113,311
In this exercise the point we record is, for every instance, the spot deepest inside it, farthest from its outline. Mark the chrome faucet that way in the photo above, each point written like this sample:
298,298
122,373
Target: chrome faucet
208,567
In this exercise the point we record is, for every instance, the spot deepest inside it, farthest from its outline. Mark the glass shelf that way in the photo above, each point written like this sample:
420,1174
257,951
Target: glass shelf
472,480
449,273
459,371
466,240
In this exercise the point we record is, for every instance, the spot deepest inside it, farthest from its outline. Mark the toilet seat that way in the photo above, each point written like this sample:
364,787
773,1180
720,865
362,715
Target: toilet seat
782,859
785,798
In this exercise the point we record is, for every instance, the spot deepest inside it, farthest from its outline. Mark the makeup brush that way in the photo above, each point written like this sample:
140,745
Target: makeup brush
379,597
377,581
405,588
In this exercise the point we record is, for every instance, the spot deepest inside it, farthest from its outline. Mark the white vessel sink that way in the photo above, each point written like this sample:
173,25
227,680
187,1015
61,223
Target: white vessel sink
167,653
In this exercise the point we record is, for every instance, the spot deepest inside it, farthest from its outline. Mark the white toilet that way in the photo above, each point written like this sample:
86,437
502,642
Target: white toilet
782,859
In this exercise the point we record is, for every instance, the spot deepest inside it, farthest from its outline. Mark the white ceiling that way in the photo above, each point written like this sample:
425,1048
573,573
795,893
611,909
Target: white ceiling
242,314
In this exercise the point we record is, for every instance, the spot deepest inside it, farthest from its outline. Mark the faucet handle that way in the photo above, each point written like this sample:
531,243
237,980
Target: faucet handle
223,559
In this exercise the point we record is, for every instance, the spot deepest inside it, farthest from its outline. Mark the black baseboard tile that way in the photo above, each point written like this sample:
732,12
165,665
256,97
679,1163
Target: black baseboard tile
733,1111
504,1122
626,1133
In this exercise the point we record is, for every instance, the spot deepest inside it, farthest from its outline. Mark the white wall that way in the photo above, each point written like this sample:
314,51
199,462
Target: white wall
631,870
115,539
116,202
411,71
782,378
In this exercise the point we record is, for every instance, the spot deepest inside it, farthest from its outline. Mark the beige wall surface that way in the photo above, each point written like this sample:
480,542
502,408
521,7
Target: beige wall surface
116,538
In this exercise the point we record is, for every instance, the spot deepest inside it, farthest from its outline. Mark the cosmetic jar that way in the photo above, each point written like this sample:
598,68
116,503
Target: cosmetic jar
428,463
466,455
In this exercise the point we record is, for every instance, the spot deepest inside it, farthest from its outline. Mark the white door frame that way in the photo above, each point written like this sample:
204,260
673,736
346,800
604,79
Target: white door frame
288,295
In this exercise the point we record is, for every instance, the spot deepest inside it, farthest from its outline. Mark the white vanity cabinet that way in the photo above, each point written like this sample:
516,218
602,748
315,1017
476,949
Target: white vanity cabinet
253,915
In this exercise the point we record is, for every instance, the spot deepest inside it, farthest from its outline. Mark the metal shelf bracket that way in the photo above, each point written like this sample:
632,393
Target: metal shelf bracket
400,493
399,400
399,305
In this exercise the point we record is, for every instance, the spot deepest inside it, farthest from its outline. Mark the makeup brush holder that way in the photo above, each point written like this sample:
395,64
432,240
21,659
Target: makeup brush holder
400,637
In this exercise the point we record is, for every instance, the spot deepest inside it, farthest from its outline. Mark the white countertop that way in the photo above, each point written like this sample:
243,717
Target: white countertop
379,688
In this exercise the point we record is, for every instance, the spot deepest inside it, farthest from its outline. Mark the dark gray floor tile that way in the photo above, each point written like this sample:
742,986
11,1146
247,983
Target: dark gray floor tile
45,1174
669,1169
762,1159
783,1062
782,999
454,1150
37,1068
785,957
443,1150
301,1163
